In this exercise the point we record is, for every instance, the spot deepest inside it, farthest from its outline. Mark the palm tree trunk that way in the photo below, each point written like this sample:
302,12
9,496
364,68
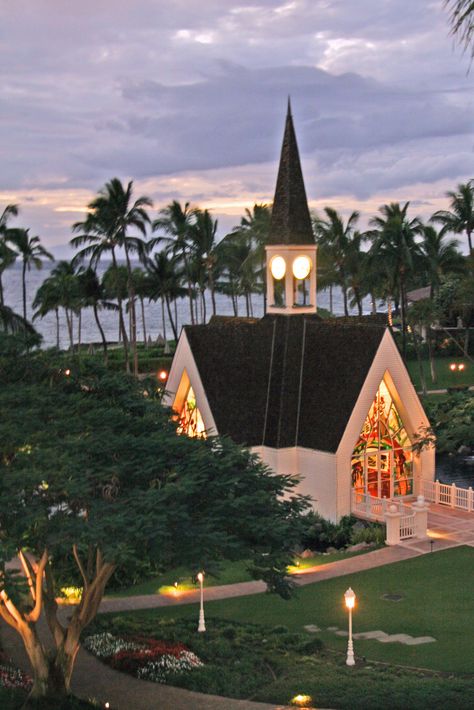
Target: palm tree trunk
101,331
420,363
203,306
2,303
173,327
70,329
344,295
430,354
163,316
143,320
79,330
57,327
373,304
469,232
403,319
175,303
121,318
23,281
331,305
133,315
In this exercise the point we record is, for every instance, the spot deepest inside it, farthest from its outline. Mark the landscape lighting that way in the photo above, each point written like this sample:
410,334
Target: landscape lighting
278,267
349,597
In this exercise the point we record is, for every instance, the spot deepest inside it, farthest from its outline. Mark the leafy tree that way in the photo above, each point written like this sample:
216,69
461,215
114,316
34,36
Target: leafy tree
460,217
203,245
92,293
31,253
452,421
105,482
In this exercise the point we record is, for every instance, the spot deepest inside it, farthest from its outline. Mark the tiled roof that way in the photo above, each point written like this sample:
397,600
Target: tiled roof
283,381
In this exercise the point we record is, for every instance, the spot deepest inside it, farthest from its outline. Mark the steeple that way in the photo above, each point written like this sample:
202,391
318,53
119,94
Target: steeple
290,249
291,223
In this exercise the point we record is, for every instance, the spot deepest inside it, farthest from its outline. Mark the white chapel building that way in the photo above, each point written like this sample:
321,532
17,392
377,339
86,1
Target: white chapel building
327,400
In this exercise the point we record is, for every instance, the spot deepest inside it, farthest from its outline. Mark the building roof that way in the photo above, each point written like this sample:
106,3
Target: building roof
290,223
283,382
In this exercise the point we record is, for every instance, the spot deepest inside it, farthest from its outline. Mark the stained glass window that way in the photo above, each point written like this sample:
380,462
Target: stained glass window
190,419
382,461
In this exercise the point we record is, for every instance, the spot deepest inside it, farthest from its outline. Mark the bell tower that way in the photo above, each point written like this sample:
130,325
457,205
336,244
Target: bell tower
291,249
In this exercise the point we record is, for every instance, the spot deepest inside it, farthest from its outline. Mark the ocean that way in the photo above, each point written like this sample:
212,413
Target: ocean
153,318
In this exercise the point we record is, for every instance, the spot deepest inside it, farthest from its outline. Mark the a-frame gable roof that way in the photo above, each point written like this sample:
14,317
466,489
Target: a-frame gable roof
283,382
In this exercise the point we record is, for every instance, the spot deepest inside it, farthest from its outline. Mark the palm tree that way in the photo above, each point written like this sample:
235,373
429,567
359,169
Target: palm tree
31,252
441,256
11,322
335,237
113,214
355,266
462,21
141,285
47,299
92,294
115,283
202,236
64,293
164,283
7,255
254,230
460,217
394,251
176,222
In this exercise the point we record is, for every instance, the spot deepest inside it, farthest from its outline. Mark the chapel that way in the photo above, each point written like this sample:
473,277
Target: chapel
329,401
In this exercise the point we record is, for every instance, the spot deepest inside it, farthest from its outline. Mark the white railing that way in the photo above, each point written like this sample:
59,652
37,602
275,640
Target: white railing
449,494
407,526
373,508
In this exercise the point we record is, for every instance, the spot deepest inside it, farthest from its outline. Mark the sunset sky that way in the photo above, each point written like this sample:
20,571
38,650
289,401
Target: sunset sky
189,98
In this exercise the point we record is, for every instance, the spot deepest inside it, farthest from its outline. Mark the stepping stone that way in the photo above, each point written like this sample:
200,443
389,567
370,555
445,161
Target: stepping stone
419,640
332,628
341,633
312,628
371,635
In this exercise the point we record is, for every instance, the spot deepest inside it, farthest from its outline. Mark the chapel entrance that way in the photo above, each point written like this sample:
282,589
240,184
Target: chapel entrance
382,461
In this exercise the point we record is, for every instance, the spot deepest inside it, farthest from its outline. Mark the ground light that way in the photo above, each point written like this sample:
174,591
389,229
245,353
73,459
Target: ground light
202,623
350,597
162,375
301,701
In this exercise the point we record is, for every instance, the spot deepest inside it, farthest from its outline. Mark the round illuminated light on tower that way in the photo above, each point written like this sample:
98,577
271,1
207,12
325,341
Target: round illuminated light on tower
301,267
278,267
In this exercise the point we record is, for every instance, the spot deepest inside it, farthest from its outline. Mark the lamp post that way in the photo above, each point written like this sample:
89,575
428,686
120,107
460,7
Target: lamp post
202,623
349,597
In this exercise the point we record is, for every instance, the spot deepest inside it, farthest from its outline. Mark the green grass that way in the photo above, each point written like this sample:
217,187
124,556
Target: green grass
249,662
438,601
444,377
14,699
231,573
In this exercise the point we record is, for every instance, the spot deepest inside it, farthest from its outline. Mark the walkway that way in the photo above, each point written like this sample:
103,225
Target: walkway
92,679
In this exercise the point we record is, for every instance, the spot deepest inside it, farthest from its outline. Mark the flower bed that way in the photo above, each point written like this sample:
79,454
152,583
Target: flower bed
11,677
143,657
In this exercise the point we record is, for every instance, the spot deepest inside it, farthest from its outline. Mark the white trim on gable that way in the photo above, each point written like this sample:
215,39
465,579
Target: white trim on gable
184,372
387,363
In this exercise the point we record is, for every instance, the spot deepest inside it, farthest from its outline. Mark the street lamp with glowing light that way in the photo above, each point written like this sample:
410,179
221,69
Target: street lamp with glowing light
202,623
349,598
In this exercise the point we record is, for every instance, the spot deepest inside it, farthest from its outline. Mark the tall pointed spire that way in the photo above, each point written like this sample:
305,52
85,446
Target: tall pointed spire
291,223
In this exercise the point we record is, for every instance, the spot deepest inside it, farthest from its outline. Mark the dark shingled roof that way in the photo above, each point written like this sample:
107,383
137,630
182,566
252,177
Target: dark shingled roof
291,223
283,381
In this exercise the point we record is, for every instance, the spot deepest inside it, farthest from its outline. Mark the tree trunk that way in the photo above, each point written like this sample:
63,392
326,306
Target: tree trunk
173,327
143,320
374,304
430,354
203,306
2,303
163,316
466,339
175,303
70,329
57,327
331,305
420,363
403,319
101,331
121,318
468,232
23,281
190,290
133,315
79,331
344,295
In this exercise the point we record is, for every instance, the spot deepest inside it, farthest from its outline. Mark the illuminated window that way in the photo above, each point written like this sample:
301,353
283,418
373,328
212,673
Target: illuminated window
382,461
190,419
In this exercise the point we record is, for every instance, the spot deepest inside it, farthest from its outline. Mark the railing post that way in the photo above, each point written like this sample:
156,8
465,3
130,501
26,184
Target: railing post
392,522
420,508
436,491
470,506
453,495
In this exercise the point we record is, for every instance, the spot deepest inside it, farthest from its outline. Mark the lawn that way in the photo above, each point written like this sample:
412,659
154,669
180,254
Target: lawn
437,601
444,376
182,579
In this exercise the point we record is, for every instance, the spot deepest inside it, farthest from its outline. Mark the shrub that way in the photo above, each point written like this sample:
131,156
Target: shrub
319,534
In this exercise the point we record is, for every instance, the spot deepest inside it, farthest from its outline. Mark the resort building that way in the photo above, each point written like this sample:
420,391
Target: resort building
327,400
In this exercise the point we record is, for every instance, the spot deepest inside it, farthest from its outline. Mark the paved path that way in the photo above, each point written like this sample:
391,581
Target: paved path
94,679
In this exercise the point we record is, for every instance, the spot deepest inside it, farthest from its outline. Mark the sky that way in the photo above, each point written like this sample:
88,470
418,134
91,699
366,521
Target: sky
188,99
